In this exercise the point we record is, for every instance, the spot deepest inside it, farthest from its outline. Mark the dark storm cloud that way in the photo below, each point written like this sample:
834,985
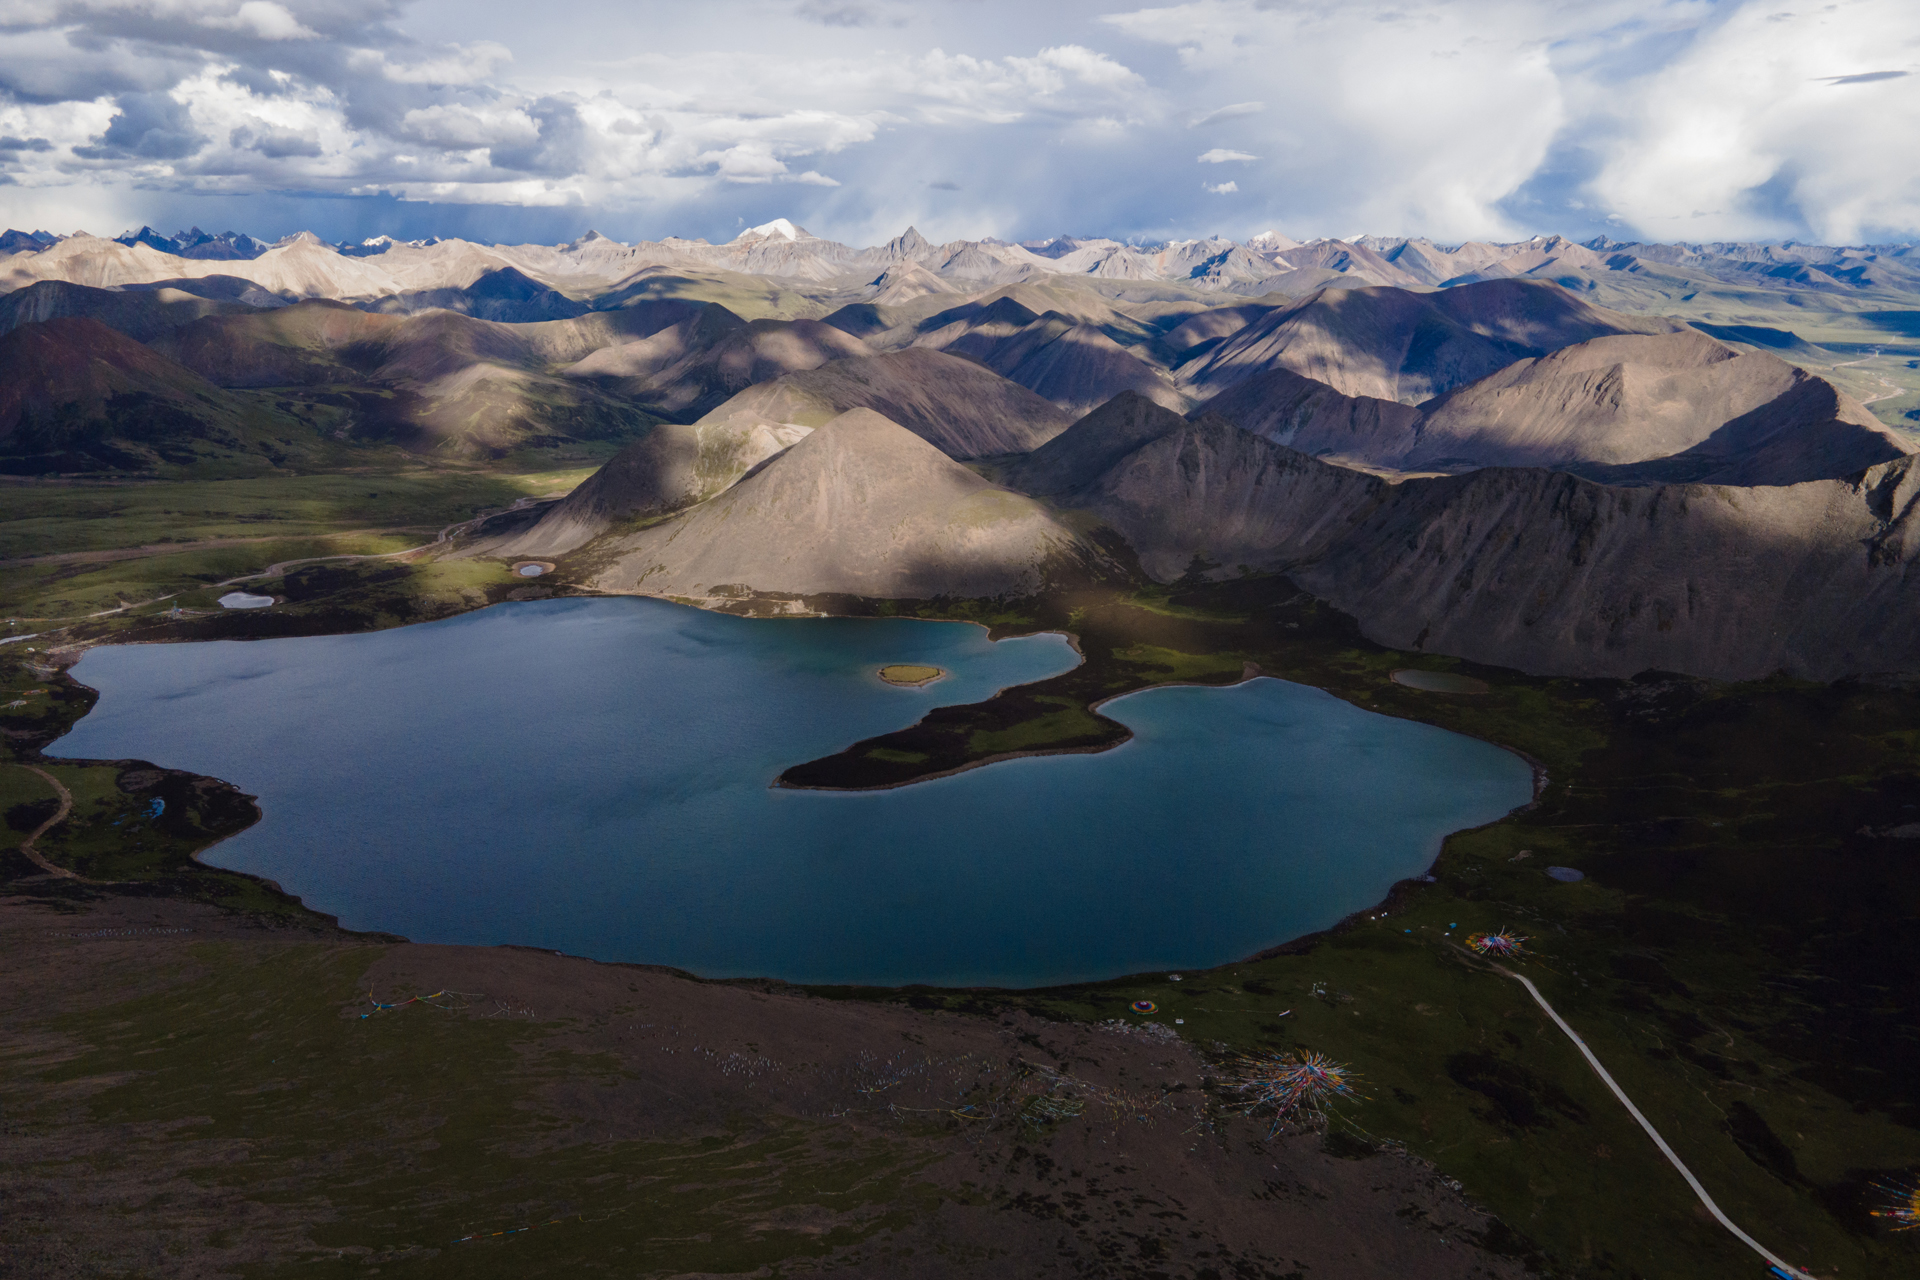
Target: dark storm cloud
148,126
561,147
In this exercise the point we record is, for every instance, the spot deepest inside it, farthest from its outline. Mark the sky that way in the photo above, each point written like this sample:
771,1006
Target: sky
522,120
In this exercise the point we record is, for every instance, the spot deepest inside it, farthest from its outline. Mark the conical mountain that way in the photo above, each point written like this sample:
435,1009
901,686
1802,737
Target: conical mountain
1185,491
963,410
1093,445
860,507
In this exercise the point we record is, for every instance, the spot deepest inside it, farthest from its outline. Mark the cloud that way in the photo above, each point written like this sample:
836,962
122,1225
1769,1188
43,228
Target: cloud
454,65
274,142
461,126
1453,118
1865,77
1086,66
147,126
1744,126
267,20
1230,112
830,14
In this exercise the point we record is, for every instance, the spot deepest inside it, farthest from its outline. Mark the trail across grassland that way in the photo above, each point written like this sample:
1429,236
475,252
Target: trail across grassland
66,807
1654,1133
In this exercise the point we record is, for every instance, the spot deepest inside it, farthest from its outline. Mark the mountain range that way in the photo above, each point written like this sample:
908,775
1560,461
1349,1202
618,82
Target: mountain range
593,270
1541,455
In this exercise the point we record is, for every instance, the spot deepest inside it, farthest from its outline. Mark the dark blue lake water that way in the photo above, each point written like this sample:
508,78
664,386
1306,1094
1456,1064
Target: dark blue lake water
593,776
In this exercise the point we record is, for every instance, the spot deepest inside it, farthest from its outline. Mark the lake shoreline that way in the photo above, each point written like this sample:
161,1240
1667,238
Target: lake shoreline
1087,839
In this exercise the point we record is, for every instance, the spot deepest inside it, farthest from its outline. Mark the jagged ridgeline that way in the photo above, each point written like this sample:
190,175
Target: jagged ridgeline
1589,459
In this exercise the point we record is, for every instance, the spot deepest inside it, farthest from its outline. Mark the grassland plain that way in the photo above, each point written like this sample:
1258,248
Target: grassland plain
69,550
1869,347
1739,955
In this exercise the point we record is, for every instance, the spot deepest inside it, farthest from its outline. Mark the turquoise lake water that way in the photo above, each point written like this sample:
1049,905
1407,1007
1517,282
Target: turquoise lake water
592,776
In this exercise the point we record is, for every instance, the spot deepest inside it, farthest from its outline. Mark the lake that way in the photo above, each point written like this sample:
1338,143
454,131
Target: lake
593,776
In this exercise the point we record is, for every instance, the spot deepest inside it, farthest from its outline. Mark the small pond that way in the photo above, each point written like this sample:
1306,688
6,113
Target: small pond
1439,681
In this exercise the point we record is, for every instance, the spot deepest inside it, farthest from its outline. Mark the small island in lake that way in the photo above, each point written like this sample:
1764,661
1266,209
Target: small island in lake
910,675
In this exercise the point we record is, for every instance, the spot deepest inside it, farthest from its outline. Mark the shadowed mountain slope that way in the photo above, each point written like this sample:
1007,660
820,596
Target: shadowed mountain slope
321,342
861,506
439,379
76,395
977,331
1186,491
1525,568
1021,304
1072,362
1395,345
1633,409
1314,419
1091,446
142,315
1077,366
693,367
504,294
1205,330
1553,573
962,409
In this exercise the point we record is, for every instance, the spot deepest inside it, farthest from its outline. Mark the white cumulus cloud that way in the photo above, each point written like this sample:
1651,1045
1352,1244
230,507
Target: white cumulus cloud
1694,119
